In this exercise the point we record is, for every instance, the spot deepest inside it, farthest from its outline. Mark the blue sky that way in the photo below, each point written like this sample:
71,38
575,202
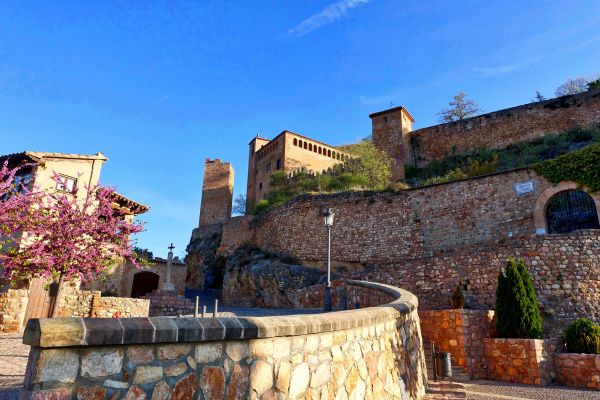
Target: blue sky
160,86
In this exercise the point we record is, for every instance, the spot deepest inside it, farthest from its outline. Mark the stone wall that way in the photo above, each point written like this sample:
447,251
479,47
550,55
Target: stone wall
236,232
460,332
527,361
383,227
433,239
122,307
75,303
581,370
501,128
13,304
564,268
371,353
344,295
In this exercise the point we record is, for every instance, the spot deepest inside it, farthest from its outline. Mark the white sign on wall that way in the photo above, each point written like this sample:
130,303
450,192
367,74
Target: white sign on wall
524,187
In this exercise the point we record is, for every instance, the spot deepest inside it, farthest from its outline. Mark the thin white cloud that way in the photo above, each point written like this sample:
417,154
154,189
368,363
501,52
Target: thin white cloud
501,69
326,16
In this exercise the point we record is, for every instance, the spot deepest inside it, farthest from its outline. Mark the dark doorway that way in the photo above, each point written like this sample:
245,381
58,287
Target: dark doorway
143,283
571,210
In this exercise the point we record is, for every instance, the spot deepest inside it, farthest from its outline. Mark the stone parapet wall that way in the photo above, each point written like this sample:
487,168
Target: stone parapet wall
580,370
527,361
460,332
76,303
13,304
113,307
501,128
375,352
345,294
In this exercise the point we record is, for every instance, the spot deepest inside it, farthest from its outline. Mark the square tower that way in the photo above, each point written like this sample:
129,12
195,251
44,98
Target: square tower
391,133
217,192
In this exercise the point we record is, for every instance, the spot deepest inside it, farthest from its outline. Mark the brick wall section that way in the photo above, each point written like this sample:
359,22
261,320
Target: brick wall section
501,128
168,304
217,192
111,307
460,332
581,370
527,361
13,304
76,303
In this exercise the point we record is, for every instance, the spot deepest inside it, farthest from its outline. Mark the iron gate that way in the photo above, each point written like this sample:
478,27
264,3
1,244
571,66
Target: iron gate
571,210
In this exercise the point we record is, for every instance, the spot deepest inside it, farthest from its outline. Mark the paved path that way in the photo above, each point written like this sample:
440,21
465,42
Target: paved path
13,361
490,390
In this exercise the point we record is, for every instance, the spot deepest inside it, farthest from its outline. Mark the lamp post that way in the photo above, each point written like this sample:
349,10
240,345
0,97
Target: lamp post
328,216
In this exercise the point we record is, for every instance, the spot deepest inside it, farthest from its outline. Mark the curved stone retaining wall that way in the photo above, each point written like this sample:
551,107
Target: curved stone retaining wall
374,352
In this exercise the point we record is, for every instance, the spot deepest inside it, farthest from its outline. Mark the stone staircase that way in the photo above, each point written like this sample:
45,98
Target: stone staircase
458,372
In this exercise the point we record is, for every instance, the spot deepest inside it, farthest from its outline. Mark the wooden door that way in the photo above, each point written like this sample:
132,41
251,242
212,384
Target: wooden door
42,295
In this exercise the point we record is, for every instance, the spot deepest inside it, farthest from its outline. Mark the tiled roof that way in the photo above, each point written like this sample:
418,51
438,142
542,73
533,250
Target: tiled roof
38,155
133,206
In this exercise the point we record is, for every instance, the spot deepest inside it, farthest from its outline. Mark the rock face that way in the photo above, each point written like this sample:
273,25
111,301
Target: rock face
203,270
256,279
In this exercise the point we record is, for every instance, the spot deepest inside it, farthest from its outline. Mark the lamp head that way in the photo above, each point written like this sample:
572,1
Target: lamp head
328,216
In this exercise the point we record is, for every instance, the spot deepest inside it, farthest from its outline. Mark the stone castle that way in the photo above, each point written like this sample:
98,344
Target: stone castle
431,239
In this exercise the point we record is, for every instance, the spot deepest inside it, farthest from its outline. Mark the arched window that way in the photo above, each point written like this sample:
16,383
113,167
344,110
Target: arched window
571,210
320,150
300,143
328,153
305,145
295,142
310,147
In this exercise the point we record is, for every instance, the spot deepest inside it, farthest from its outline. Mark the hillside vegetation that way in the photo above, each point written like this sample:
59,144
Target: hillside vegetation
482,161
369,169
573,155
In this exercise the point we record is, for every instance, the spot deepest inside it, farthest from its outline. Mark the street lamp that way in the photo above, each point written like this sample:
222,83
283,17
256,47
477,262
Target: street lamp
328,216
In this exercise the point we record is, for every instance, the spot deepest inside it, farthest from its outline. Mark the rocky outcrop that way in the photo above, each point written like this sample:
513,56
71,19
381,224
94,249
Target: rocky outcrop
201,257
257,279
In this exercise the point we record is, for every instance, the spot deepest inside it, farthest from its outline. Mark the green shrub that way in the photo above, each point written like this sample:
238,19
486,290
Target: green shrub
517,308
583,336
458,299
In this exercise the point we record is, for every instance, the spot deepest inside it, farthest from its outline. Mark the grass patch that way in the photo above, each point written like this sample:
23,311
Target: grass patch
483,161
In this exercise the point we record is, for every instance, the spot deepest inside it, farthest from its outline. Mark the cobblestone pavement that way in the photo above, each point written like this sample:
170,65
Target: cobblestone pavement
491,390
13,361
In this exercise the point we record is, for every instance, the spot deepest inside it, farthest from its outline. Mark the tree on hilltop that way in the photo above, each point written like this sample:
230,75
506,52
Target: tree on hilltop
461,107
239,205
572,86
538,97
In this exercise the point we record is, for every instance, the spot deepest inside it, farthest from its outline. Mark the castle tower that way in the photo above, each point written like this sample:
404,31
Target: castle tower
217,192
251,189
391,133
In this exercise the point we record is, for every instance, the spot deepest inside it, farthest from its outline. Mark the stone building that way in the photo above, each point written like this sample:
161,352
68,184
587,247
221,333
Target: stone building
287,152
37,298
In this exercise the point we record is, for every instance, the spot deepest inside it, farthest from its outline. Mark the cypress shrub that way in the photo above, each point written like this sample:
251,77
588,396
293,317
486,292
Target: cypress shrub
583,336
517,308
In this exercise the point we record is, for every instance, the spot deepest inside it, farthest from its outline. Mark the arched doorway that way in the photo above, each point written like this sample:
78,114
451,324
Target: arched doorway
144,282
571,210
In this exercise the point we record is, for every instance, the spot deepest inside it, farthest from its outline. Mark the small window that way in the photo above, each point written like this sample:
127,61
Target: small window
268,167
328,153
295,142
67,184
260,186
278,165
305,146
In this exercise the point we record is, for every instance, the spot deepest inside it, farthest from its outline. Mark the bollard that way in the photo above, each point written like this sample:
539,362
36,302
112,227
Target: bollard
203,311
196,307
216,306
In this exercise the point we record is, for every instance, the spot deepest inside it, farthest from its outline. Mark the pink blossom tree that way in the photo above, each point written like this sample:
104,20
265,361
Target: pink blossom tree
55,234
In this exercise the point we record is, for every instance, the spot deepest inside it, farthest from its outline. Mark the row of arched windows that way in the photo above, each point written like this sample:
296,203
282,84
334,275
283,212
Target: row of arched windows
320,149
